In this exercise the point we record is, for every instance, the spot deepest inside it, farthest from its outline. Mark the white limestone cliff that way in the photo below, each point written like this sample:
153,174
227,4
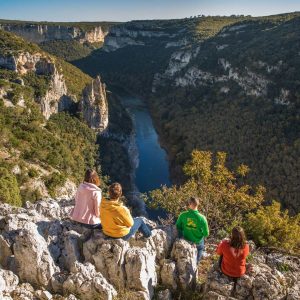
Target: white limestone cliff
94,105
38,33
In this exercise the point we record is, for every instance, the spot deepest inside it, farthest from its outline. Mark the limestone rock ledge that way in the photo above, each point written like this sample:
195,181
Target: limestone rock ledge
44,255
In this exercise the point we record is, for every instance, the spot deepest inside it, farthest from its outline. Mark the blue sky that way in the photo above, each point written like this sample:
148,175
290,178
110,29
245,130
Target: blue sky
124,10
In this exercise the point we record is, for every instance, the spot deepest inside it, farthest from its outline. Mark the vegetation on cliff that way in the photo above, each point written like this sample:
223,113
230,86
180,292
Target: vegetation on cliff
259,128
227,201
36,154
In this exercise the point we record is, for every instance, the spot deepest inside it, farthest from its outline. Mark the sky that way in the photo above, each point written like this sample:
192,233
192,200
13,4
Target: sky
126,10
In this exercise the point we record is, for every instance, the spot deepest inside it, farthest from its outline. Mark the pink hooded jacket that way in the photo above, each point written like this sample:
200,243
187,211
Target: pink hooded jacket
87,203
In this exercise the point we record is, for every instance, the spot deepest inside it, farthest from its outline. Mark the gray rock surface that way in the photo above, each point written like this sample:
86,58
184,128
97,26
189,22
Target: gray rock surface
55,258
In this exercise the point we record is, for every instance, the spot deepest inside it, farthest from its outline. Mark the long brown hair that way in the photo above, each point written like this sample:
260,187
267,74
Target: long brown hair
238,238
91,176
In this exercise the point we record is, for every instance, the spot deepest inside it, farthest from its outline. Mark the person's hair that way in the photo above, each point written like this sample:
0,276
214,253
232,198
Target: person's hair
91,176
115,191
238,238
194,201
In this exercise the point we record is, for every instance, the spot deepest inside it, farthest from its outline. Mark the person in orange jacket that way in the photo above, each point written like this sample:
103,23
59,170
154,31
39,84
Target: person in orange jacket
116,219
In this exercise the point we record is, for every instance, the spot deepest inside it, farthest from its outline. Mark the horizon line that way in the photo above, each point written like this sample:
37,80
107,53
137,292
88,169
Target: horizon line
111,21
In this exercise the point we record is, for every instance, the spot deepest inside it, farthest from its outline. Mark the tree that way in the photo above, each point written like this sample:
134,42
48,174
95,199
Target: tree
9,190
223,200
269,226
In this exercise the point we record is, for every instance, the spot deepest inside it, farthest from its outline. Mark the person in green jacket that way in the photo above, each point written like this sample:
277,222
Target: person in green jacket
193,227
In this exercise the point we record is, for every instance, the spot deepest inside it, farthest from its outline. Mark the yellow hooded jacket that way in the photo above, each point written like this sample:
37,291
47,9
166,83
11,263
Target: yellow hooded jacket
116,219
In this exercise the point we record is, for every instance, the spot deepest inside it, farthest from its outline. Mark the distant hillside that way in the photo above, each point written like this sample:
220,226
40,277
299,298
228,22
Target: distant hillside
45,144
220,84
68,40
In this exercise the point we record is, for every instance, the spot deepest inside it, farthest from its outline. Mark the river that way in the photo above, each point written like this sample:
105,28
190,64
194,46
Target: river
152,168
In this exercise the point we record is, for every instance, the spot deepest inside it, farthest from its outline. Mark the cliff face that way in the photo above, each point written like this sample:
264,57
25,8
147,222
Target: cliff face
142,33
43,33
94,105
56,97
44,255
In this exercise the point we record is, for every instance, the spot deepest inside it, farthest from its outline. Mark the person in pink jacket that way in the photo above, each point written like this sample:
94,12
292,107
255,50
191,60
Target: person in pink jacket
87,201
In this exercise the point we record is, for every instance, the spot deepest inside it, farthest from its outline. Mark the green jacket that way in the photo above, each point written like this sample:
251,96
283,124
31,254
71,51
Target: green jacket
192,226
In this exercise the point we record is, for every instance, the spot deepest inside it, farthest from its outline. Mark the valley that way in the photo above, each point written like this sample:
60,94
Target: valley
204,107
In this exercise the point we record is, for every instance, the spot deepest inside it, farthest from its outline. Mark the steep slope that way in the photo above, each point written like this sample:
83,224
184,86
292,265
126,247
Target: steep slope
216,83
42,148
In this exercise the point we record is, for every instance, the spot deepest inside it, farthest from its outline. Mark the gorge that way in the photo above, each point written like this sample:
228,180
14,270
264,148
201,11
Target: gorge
150,103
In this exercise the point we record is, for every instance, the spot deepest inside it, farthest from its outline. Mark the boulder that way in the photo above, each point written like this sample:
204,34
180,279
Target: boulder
88,284
140,270
168,274
23,292
8,281
71,250
34,263
185,255
108,256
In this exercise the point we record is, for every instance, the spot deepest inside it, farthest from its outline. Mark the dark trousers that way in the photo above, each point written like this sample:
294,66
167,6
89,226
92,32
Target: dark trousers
92,226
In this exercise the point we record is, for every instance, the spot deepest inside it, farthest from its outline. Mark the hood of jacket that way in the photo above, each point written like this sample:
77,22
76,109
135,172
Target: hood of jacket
111,205
89,186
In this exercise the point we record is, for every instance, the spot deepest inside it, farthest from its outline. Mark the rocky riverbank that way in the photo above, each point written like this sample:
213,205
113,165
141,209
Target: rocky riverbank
44,255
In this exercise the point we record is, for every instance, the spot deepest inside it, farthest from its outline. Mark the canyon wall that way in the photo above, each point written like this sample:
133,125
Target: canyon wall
38,33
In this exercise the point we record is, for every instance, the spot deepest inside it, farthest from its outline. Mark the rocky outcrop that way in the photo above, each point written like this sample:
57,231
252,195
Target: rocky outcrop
264,282
94,105
44,255
56,98
42,248
38,33
138,33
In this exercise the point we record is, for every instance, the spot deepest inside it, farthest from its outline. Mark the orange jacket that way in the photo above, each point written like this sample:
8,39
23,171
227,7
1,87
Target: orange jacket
116,219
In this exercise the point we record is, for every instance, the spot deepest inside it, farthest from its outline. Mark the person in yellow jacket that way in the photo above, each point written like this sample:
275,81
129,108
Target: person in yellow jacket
116,219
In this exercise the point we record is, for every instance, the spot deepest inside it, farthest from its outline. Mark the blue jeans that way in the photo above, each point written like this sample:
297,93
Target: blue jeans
200,249
138,225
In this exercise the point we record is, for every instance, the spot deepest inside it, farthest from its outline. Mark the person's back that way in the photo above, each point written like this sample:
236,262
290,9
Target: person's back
87,201
117,221
193,226
233,254
116,218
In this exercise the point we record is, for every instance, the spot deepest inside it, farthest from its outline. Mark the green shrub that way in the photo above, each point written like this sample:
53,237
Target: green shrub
33,173
30,195
272,227
54,181
222,199
9,190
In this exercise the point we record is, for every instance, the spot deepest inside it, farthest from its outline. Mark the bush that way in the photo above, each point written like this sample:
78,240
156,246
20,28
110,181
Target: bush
272,227
222,199
9,190
54,181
